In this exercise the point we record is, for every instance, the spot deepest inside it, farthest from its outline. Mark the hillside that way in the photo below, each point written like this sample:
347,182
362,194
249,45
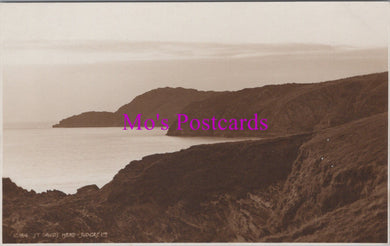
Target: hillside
326,186
285,107
163,101
292,108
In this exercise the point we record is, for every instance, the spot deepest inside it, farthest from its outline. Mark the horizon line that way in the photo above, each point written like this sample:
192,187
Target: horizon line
20,41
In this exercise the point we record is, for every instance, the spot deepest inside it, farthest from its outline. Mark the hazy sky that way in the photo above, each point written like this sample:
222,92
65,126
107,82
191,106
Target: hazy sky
351,23
61,59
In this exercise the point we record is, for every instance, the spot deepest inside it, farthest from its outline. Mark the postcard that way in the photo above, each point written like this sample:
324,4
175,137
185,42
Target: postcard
194,122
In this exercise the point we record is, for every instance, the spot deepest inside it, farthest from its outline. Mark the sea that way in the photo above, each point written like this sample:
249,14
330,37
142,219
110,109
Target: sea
66,159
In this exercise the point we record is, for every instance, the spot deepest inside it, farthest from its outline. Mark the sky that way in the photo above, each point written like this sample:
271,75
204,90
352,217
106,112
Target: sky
351,23
60,59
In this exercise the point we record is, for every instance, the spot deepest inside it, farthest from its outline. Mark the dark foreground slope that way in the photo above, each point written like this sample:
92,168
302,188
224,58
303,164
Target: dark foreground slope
166,102
326,186
292,108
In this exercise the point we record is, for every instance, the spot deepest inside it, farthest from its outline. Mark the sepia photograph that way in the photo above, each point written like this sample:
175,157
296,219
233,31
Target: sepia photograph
194,122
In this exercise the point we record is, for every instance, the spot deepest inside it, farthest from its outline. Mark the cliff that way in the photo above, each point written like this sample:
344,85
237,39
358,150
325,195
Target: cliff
292,108
166,102
326,186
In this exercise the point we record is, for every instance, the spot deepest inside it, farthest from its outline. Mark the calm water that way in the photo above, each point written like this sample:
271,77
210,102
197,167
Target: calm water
69,158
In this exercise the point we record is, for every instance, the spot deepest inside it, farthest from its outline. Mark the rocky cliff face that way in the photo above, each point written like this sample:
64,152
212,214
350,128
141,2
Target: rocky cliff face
166,102
292,108
326,186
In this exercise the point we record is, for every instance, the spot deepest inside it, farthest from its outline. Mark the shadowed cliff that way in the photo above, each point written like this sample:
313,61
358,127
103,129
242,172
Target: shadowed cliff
292,108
